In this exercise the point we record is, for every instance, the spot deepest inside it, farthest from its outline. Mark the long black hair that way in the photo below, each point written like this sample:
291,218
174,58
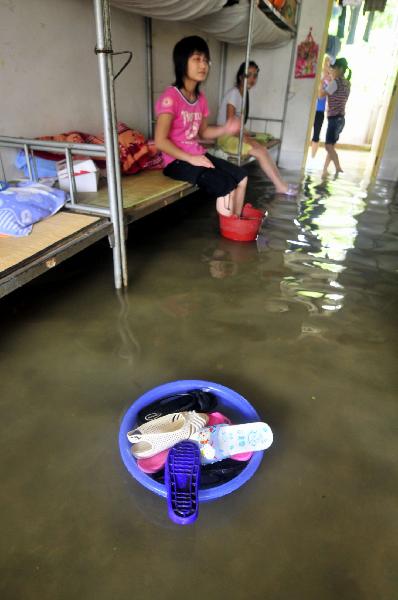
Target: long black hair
183,50
239,76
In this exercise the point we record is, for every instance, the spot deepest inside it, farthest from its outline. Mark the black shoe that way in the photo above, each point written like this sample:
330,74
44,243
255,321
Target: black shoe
220,472
197,400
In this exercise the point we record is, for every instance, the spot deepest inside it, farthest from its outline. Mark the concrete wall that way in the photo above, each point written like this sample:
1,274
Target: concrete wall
313,14
49,71
389,164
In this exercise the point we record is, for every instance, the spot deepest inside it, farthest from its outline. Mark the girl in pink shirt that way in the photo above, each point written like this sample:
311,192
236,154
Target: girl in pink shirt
182,112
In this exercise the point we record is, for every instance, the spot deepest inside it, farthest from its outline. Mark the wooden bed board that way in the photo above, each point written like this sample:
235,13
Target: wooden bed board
147,186
51,241
66,233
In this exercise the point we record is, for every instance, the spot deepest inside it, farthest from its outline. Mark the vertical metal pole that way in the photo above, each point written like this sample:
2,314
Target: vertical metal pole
243,105
292,55
223,62
101,10
34,163
149,73
28,164
4,177
71,175
119,191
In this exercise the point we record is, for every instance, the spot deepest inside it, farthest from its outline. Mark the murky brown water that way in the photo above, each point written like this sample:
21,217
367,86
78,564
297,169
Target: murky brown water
303,324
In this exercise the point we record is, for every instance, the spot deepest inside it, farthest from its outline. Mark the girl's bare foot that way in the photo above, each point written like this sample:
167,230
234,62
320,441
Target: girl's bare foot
288,190
222,206
282,189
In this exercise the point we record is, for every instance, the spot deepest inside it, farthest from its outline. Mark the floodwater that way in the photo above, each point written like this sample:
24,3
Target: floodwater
302,323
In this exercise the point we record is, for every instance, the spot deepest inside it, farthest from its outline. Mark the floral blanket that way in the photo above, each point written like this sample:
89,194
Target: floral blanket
136,153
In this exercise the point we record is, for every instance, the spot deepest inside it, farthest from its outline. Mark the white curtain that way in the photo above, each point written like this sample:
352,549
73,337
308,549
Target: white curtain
230,25
171,10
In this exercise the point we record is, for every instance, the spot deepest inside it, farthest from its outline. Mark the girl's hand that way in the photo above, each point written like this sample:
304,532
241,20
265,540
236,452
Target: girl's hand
232,126
201,161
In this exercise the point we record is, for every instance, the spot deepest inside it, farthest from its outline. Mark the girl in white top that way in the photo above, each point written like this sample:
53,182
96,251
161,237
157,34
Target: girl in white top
231,106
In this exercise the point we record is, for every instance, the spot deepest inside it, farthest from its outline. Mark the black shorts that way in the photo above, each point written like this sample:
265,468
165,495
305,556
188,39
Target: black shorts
219,181
318,122
335,127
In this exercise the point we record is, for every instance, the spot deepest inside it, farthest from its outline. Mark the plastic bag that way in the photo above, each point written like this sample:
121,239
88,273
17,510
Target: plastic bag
307,58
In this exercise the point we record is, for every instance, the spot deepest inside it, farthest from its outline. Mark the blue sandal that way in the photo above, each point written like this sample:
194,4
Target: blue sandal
182,478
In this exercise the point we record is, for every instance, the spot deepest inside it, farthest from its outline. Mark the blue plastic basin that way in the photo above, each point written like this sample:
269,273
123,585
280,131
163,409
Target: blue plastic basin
229,402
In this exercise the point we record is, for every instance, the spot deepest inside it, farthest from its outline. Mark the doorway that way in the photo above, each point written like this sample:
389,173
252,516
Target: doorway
367,39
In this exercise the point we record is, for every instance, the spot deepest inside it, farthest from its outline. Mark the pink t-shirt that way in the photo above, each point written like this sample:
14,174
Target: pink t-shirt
187,119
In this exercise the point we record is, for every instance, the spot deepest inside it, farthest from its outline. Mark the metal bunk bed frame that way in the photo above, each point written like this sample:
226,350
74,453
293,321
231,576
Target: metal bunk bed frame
115,227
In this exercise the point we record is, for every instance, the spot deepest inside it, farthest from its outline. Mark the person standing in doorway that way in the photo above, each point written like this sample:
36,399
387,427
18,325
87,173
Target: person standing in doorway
320,108
337,93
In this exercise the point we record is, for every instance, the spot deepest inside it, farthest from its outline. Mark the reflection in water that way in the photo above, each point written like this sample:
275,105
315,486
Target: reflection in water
323,230
224,257
327,220
129,349
334,232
